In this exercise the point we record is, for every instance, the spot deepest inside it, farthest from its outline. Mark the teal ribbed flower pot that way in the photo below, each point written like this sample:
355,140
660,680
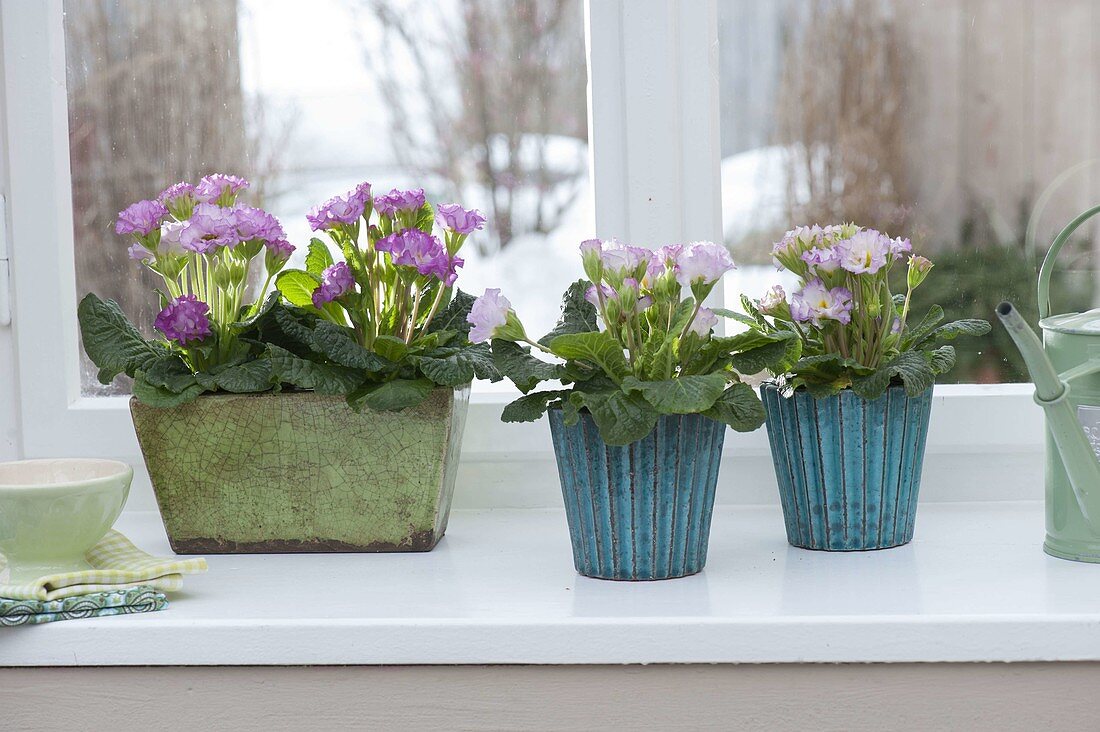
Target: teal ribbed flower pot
848,469
641,511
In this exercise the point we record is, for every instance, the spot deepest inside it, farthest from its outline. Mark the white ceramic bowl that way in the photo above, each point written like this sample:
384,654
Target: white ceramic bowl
53,511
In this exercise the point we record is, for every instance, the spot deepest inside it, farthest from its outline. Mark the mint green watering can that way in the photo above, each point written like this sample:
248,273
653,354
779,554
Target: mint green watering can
1066,370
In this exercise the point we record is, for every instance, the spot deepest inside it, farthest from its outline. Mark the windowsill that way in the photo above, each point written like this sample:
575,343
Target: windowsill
500,588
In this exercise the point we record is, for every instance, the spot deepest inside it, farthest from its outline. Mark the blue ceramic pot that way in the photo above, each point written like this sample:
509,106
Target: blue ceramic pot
848,468
641,511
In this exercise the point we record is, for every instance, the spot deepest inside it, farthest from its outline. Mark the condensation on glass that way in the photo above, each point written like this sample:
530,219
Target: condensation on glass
953,122
484,105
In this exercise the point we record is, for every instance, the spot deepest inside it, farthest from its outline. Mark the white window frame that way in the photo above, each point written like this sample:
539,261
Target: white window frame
655,157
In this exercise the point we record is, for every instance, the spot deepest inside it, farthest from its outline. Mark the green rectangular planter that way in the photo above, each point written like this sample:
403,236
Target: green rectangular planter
302,472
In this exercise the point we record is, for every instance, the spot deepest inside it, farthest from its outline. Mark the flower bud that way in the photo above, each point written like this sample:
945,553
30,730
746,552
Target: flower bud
919,267
590,258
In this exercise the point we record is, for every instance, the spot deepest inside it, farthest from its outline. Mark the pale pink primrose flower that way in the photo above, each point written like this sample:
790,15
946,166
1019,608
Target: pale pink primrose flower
703,263
865,252
704,322
815,303
488,314
773,300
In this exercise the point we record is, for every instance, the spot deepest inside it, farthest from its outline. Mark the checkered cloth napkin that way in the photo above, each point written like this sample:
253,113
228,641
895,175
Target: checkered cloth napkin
117,565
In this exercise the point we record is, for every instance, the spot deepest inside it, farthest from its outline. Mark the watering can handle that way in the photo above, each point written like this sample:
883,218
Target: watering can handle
1048,263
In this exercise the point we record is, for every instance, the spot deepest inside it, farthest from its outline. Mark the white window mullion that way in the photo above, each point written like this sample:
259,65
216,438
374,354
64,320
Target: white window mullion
41,229
653,108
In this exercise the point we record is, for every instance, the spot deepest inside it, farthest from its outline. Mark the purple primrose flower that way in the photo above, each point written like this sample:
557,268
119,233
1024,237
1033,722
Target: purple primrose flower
140,218
173,193
209,227
216,185
340,210
414,248
458,219
280,249
336,280
184,320
397,201
255,223
139,253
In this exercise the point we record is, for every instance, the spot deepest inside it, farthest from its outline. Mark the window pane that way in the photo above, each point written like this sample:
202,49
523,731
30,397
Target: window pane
478,101
949,121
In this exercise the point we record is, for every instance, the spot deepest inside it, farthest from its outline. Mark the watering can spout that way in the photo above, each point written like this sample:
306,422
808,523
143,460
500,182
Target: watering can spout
1051,390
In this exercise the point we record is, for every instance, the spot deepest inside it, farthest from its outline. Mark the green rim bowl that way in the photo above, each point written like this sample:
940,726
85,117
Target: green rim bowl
53,511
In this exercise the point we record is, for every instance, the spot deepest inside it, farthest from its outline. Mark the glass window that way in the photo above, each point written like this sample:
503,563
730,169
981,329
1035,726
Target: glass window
954,122
482,102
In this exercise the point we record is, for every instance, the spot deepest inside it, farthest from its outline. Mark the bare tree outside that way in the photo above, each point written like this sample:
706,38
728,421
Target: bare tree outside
477,97
155,97
841,117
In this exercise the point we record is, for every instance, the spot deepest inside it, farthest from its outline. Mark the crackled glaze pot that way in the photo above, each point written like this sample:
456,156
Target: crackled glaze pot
302,472
641,511
848,468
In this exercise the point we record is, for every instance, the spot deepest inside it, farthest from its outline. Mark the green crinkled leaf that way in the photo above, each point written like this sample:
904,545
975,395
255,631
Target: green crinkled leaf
761,358
318,259
297,287
739,407
447,371
111,341
570,411
390,348
169,373
531,407
621,418
734,315
597,347
453,316
480,357
951,331
339,345
298,333
158,396
577,314
391,395
943,359
520,367
822,389
260,315
915,335
681,395
248,377
912,367
324,378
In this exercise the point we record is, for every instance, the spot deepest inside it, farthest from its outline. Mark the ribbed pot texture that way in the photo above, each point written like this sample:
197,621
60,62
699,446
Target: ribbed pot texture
641,511
848,469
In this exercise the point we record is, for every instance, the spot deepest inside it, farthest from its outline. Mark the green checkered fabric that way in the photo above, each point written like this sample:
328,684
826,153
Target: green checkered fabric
116,564
141,599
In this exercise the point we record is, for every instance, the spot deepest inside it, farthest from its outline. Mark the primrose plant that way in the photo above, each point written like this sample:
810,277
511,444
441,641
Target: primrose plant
634,342
388,308
206,249
849,329
383,327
